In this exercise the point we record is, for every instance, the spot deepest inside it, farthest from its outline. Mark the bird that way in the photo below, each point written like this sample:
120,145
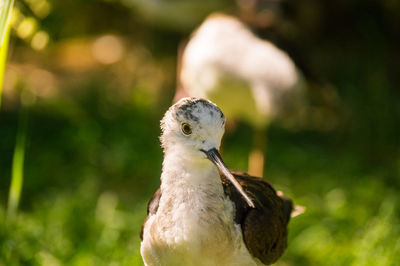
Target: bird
250,78
203,213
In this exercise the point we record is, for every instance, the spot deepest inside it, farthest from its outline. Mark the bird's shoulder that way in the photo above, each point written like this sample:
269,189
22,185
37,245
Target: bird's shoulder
152,207
264,227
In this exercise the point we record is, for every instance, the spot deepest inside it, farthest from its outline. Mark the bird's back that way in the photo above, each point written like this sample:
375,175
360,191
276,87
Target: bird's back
264,228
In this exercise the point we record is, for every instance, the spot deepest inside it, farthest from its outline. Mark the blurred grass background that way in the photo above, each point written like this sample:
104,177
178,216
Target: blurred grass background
91,79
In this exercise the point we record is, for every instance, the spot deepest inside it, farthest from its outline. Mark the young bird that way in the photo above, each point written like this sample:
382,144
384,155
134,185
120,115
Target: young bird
204,213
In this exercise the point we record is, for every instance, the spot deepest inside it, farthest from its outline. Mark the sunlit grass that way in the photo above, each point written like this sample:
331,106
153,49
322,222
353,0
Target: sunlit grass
5,12
90,225
3,59
17,174
81,227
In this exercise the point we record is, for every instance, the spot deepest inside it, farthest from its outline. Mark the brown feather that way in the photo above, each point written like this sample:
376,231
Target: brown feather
152,208
264,228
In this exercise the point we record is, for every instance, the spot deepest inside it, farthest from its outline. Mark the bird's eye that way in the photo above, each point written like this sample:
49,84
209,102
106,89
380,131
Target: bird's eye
186,129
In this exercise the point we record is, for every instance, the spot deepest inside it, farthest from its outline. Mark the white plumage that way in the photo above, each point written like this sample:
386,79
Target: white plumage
194,221
249,78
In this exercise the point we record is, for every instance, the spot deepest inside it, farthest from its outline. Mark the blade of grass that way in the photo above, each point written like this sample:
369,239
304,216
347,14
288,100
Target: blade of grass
17,174
5,14
3,59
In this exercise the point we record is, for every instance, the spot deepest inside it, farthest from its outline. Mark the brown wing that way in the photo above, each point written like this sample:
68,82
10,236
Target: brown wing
264,228
152,208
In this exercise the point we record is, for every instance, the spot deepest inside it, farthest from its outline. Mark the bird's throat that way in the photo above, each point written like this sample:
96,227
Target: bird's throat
190,184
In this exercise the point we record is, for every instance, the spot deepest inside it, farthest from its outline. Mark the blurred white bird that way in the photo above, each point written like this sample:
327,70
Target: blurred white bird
248,77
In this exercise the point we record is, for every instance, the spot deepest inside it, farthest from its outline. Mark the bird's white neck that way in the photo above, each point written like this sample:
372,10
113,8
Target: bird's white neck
192,200
194,218
183,176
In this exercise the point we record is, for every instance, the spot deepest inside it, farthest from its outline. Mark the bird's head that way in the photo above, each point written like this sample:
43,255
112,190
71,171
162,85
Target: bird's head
192,129
192,125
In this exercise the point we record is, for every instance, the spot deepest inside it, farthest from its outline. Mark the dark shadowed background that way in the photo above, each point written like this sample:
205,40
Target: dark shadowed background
87,82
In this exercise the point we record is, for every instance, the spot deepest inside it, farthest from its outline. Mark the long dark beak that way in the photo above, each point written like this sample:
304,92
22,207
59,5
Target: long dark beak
214,156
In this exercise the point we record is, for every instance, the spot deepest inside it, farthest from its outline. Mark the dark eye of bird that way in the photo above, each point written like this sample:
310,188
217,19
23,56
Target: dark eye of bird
186,129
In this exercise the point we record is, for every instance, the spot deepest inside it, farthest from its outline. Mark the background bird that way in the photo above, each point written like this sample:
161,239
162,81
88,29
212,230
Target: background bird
203,213
248,77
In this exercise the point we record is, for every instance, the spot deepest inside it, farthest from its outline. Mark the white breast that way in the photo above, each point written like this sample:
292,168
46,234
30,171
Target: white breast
194,225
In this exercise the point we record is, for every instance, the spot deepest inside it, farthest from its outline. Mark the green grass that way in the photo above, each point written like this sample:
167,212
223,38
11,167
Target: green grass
5,13
91,225
17,174
83,227
88,182
3,59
